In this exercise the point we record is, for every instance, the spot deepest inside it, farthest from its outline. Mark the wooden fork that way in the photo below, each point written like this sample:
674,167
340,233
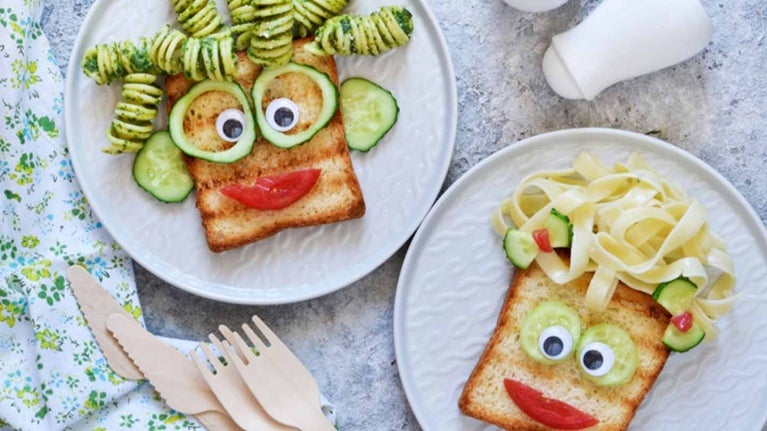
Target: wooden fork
279,381
231,391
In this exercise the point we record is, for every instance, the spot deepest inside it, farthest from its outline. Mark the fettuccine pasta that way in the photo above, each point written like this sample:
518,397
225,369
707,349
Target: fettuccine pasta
631,225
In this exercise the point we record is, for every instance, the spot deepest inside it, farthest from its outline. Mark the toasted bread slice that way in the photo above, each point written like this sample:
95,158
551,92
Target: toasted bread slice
336,196
484,396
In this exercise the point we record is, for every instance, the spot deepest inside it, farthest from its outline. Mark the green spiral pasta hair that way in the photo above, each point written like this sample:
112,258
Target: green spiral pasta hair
105,63
132,124
388,28
199,18
166,47
271,37
211,57
311,14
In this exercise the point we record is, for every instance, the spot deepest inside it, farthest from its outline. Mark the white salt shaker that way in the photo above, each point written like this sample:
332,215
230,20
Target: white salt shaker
622,39
535,5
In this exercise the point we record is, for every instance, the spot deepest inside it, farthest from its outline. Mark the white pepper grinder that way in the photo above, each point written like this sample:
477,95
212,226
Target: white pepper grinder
622,39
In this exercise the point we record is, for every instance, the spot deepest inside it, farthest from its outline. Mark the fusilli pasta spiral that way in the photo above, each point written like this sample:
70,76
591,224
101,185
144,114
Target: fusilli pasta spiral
132,124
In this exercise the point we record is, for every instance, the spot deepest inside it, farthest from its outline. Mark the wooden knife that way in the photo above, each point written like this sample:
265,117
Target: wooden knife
97,304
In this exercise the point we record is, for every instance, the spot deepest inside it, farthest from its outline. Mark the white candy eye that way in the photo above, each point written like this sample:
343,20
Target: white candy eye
555,342
230,125
596,359
282,114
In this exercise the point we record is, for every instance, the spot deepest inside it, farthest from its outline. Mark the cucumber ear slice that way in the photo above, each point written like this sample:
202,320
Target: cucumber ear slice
328,110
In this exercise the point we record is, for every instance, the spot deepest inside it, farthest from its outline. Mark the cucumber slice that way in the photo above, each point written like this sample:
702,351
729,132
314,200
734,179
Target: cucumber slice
159,169
520,248
675,295
560,229
545,317
679,341
240,149
329,104
370,111
617,351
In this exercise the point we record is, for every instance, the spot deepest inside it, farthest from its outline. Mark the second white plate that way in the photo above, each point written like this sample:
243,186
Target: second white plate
455,276
400,178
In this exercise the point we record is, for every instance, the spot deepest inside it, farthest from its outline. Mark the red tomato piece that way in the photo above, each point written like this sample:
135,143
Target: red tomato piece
274,192
541,237
547,411
683,321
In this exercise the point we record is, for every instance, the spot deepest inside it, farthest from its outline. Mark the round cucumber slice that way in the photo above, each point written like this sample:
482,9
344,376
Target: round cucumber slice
328,109
544,324
241,148
370,111
607,355
159,168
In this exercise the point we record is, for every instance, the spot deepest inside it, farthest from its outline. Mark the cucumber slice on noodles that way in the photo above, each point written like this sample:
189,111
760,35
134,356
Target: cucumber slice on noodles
370,111
159,168
679,341
560,229
675,295
520,248
329,104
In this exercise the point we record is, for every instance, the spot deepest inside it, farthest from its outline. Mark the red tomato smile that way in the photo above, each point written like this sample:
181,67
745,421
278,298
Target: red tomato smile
274,192
547,411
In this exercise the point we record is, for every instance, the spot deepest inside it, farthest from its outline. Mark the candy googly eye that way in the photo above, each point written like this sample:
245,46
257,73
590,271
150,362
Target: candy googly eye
282,114
555,343
230,125
596,359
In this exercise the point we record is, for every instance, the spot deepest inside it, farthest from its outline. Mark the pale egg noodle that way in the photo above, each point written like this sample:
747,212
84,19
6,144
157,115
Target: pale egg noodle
630,224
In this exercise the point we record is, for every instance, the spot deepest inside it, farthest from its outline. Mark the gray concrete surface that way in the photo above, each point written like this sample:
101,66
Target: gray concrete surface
714,106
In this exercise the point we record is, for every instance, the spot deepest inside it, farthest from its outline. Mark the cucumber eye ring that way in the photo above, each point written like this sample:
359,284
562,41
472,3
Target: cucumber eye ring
329,104
616,348
550,320
241,148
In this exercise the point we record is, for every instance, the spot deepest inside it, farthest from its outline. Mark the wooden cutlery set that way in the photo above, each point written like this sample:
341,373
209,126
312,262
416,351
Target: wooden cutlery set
256,386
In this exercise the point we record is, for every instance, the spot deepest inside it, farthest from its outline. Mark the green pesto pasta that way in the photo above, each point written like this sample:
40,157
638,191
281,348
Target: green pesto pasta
271,37
132,124
165,52
311,14
390,27
199,18
105,63
210,57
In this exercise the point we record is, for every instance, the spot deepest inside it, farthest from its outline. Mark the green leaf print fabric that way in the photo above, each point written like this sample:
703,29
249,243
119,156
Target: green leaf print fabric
52,373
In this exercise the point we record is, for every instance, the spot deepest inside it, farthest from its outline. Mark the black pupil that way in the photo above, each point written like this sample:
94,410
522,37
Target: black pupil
232,128
283,117
592,360
553,346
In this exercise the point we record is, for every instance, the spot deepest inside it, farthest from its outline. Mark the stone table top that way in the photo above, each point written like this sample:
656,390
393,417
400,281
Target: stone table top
713,105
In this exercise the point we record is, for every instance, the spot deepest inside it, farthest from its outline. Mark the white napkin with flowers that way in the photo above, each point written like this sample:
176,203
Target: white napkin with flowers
52,374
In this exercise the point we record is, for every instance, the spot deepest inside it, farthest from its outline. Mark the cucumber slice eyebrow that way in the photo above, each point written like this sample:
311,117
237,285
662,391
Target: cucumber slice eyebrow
560,229
369,110
675,295
159,168
520,248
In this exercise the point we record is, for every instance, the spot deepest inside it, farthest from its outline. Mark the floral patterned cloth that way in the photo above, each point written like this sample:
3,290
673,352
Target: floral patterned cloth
52,374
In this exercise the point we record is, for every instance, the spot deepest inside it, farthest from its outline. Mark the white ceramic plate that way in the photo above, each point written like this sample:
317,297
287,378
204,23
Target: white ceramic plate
400,178
455,276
